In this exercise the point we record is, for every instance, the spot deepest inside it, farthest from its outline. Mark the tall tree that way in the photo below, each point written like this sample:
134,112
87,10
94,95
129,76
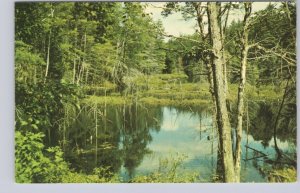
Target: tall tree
240,110
219,94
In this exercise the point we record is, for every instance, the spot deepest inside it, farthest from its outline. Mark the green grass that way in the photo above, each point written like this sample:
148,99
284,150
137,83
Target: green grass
173,89
118,100
168,102
263,93
111,100
283,175
169,171
95,177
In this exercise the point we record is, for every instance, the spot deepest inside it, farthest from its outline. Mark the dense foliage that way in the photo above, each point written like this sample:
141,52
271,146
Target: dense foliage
34,163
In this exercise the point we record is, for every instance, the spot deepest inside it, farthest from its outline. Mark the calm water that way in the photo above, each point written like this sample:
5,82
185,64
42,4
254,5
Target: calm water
132,140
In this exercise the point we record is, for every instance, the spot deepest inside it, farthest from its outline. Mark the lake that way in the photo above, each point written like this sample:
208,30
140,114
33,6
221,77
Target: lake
134,140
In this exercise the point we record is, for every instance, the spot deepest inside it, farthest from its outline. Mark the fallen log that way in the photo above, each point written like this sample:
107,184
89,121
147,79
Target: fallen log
255,150
255,157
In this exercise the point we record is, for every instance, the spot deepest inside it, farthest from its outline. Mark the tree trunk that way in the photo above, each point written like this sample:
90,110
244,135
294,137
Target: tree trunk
209,62
96,134
81,67
48,57
200,14
220,97
223,30
74,70
74,59
105,113
277,119
65,128
48,49
240,108
86,75
206,61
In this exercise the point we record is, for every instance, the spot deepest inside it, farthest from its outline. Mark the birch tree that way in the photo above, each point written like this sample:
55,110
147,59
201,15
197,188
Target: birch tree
223,123
240,109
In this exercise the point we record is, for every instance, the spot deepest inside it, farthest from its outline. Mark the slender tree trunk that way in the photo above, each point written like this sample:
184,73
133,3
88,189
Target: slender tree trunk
74,60
105,110
288,13
96,134
49,136
240,110
220,97
81,68
48,56
248,122
65,128
200,14
277,120
223,30
80,73
48,49
74,70
86,75
247,141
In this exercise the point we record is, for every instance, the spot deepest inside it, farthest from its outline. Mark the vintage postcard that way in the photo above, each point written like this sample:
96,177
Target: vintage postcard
155,92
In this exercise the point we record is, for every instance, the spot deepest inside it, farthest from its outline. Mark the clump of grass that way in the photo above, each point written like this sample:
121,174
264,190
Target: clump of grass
172,94
173,89
100,175
174,102
155,101
261,93
106,86
111,100
283,175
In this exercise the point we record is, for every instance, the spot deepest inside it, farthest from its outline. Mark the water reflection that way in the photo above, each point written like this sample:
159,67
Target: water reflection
121,137
131,139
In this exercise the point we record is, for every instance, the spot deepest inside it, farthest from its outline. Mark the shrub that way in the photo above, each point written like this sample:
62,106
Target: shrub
33,163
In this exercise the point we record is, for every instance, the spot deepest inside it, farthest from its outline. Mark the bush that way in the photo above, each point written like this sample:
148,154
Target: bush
34,164
100,175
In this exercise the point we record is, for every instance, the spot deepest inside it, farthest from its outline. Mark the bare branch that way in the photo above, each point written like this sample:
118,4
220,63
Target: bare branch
172,36
281,54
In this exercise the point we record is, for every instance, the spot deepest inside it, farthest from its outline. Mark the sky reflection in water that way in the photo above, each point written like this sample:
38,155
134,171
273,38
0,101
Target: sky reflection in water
180,134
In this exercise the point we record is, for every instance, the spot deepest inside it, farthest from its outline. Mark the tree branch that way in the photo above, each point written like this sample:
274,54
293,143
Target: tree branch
172,36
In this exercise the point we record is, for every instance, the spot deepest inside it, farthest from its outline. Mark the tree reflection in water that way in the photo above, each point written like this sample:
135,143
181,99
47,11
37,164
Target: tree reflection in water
130,132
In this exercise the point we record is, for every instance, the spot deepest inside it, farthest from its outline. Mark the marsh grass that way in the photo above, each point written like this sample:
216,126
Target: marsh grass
169,171
173,89
283,175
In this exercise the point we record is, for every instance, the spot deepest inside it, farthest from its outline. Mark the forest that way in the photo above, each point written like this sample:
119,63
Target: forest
103,94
